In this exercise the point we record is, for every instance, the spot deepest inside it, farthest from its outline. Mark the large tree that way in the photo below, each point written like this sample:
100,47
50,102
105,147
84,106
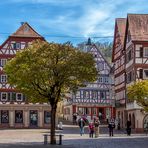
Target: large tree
139,92
46,71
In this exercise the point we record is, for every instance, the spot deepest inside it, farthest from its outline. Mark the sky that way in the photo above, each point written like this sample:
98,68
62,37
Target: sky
67,20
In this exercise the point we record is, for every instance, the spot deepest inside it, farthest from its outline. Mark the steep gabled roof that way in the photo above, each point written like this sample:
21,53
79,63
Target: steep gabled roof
120,26
94,45
138,26
26,31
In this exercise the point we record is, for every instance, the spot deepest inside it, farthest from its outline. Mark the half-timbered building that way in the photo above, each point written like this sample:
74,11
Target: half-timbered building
118,59
136,52
95,99
15,112
130,58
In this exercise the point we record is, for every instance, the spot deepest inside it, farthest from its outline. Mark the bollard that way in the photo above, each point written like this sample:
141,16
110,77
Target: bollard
45,140
60,139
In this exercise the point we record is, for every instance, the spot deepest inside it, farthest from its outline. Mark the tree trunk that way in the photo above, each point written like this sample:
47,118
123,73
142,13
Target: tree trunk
53,123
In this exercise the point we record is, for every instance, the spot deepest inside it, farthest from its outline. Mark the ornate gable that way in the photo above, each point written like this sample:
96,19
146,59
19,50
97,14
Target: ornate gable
26,31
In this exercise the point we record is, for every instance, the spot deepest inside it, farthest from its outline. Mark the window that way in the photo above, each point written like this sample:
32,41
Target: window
16,45
4,96
33,117
129,77
100,80
129,56
87,111
19,97
146,74
3,78
105,79
85,94
141,52
78,94
102,95
3,62
141,73
47,116
4,116
146,52
18,116
94,94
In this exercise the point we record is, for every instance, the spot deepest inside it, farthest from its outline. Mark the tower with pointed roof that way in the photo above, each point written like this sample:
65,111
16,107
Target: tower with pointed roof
14,110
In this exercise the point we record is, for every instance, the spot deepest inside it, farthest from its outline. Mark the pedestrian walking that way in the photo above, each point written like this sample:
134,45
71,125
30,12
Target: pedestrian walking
81,123
111,127
91,129
96,124
128,127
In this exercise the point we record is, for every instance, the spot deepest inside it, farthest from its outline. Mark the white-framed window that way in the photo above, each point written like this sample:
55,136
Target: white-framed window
85,94
3,78
4,96
3,62
78,94
106,79
94,94
100,80
145,73
16,46
19,97
145,51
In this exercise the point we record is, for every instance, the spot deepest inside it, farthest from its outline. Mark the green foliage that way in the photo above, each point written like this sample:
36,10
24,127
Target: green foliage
139,92
45,71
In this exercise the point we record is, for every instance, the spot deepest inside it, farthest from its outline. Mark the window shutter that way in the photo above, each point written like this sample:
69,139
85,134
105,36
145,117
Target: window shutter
141,73
141,52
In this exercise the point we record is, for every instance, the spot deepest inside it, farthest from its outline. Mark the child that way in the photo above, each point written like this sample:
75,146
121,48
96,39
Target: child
91,130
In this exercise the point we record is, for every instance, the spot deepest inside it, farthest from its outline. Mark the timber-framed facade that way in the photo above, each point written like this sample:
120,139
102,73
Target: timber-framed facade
15,111
135,68
94,100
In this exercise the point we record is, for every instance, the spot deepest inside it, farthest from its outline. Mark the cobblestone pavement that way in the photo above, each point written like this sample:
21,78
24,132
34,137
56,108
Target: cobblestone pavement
33,138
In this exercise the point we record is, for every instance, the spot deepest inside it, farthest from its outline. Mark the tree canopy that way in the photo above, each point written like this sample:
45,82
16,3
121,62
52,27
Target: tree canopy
139,92
45,71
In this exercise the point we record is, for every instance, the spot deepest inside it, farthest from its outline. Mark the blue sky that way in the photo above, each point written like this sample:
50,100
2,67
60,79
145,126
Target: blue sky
75,18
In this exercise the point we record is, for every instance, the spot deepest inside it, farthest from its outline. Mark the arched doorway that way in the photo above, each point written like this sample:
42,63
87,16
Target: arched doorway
133,121
145,122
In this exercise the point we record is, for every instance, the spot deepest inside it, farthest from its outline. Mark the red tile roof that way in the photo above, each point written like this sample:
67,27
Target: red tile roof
138,26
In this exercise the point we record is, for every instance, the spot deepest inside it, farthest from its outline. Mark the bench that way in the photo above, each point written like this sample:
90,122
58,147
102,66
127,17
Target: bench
46,138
